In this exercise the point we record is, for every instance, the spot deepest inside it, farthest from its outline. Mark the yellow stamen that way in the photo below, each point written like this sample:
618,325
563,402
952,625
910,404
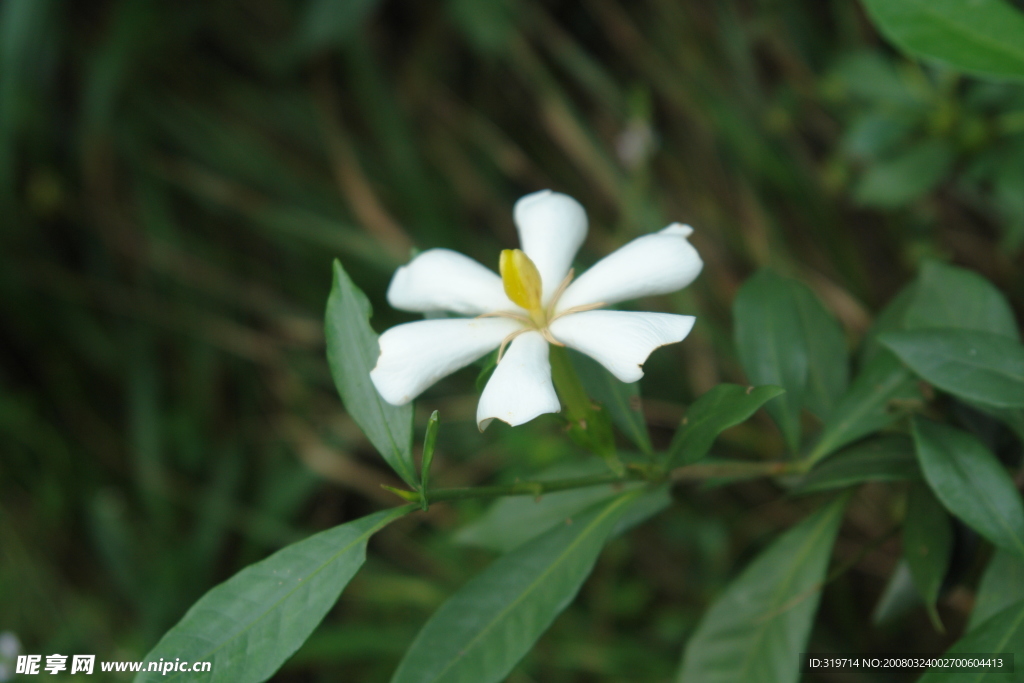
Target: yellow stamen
522,284
521,279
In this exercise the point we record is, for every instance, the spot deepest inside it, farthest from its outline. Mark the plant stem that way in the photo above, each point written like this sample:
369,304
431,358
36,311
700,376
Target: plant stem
696,472
740,470
533,488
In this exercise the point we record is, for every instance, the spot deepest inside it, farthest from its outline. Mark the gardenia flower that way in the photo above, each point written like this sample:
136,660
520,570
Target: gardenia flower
534,303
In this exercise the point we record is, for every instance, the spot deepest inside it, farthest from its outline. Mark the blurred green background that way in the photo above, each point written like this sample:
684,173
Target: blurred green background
176,177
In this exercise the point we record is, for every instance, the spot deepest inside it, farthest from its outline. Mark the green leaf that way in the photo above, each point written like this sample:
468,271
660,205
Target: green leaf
771,348
429,443
757,629
1003,633
948,296
885,458
250,624
511,521
981,367
898,597
890,319
352,352
984,37
971,483
726,405
828,356
621,400
786,338
481,632
1000,587
876,398
927,546
901,179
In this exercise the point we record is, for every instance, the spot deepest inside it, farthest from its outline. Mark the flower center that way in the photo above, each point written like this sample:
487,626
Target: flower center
522,283
523,286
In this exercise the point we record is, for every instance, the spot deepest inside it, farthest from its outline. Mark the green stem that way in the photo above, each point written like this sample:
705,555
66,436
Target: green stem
533,488
740,470
697,472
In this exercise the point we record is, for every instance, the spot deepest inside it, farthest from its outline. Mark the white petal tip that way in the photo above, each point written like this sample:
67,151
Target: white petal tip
399,283
678,229
621,341
514,420
520,388
632,375
528,199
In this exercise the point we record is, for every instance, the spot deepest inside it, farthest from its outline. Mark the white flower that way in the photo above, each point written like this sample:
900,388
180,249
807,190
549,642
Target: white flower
534,303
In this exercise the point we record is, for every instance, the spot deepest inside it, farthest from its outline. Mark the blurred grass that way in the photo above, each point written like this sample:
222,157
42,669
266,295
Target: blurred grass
175,179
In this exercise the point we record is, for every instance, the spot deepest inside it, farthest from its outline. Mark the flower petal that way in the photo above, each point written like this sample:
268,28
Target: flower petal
658,263
621,340
445,280
520,388
552,226
415,355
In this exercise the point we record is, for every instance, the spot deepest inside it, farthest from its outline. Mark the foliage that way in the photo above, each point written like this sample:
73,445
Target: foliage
184,186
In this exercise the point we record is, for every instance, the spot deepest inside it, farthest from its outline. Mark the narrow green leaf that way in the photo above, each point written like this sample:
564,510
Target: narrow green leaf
429,443
885,458
898,597
971,483
984,37
875,399
1001,585
250,624
982,367
621,400
726,405
1004,632
480,633
756,630
927,545
352,352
